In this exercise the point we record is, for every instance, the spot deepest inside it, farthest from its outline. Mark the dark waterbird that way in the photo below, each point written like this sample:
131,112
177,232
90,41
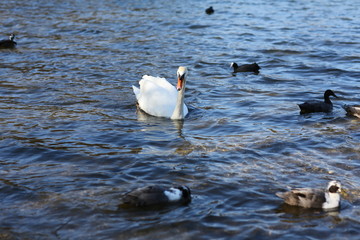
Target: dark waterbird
157,195
209,10
8,43
318,106
352,110
314,198
254,67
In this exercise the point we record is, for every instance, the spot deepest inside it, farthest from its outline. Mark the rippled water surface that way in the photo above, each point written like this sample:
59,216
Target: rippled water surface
72,141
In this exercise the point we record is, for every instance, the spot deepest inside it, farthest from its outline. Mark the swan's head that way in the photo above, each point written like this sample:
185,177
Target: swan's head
181,75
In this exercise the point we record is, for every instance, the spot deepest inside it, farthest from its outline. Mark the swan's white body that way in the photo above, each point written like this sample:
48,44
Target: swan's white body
159,98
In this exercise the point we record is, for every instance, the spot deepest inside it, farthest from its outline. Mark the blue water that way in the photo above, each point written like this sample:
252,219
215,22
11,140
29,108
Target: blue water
72,141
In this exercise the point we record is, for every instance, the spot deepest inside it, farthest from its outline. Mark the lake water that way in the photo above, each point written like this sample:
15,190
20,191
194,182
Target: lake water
72,141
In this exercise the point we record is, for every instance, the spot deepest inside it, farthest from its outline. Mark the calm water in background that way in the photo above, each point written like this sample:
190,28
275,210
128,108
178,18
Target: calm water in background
72,141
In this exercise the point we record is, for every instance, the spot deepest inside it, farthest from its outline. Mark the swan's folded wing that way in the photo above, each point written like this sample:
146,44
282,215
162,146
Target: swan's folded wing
159,82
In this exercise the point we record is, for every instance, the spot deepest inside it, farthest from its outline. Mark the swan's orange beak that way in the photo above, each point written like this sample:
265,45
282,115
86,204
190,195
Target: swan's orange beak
180,82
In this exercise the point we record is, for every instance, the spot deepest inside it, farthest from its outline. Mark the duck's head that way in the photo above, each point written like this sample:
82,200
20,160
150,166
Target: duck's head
233,65
12,37
257,67
186,194
181,75
334,187
329,93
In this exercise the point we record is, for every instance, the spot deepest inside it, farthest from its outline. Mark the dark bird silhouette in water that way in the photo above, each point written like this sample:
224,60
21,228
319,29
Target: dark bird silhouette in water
254,67
209,10
8,43
318,106
157,195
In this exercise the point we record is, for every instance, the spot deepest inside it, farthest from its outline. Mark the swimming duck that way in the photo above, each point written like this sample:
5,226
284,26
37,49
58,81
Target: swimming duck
209,10
157,195
352,110
254,67
159,98
318,106
8,43
314,198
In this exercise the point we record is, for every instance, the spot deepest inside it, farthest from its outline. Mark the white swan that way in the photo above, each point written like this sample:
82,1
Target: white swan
159,98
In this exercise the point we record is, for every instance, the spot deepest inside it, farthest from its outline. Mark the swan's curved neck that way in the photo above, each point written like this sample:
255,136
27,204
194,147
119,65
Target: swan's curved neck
179,108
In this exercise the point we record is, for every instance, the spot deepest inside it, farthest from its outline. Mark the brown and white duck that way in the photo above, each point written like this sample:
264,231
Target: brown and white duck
352,110
314,198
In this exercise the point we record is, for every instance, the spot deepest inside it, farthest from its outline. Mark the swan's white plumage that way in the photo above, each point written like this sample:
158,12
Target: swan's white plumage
157,96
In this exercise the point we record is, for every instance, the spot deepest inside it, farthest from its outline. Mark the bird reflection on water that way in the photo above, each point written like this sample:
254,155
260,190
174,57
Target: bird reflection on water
298,214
